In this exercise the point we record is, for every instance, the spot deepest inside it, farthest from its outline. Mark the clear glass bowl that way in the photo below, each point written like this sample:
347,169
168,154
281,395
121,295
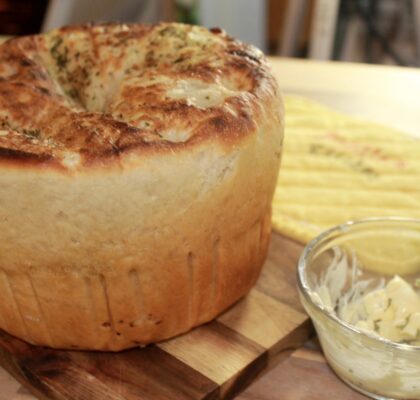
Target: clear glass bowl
382,247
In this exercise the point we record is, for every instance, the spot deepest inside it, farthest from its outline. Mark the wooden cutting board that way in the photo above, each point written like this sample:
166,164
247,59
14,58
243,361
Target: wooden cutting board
317,381
217,360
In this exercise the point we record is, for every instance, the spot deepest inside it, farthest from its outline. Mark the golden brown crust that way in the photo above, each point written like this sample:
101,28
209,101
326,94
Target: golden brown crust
132,225
102,90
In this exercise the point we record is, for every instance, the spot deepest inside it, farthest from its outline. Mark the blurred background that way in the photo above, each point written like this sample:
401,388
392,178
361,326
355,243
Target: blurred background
369,31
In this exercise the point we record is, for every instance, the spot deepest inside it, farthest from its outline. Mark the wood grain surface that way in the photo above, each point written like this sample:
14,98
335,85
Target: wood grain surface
216,360
305,375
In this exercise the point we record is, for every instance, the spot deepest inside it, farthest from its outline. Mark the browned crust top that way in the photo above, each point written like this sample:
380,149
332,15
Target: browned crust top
80,95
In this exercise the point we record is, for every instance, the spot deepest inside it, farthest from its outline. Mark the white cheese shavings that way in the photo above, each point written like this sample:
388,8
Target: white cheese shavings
391,311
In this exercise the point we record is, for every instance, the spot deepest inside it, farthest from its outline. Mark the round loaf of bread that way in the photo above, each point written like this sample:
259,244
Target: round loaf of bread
137,168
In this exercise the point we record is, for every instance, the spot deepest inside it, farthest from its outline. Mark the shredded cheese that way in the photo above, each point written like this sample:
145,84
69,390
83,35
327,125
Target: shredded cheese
390,310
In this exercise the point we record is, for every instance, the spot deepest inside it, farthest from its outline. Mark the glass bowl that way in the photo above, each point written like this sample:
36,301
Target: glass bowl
370,251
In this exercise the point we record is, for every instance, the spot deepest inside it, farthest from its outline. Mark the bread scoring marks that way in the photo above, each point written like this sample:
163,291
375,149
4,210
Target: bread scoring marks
134,277
13,300
256,230
265,230
90,304
110,320
260,249
40,310
215,271
200,94
3,288
191,299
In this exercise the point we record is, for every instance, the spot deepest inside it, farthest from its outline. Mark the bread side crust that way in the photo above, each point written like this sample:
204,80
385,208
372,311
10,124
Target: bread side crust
122,257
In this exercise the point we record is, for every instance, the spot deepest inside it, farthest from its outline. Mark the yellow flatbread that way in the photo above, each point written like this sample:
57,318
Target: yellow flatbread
337,168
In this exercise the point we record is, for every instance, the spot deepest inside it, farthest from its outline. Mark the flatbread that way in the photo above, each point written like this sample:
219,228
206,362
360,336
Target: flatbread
337,168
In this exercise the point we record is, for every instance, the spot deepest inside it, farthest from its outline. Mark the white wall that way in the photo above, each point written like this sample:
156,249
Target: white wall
64,12
243,19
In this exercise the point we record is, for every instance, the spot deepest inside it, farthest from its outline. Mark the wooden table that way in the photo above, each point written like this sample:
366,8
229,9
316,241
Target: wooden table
384,94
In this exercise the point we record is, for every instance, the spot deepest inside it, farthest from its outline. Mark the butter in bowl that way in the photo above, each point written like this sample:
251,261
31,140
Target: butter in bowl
360,284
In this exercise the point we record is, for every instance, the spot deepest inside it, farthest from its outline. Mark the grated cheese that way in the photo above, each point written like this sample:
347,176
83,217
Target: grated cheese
390,310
